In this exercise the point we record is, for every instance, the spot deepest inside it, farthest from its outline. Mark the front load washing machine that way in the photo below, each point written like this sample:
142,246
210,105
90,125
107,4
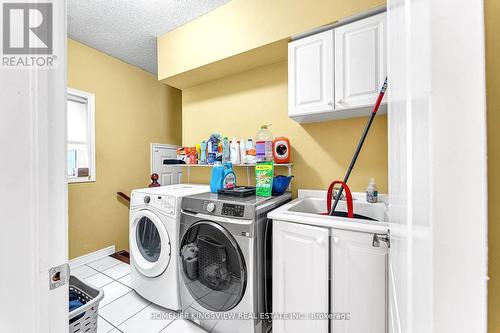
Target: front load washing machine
222,261
154,228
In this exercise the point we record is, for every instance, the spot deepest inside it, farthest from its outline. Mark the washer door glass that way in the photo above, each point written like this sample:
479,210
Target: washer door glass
150,244
213,267
148,239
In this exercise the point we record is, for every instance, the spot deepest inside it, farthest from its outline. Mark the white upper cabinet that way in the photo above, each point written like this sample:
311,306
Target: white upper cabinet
337,73
310,70
360,61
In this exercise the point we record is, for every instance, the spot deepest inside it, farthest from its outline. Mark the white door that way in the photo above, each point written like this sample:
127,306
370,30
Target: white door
169,174
360,61
358,283
310,74
33,188
300,275
436,122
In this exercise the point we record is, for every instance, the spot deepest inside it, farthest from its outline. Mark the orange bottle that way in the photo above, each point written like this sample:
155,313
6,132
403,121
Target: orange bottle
281,150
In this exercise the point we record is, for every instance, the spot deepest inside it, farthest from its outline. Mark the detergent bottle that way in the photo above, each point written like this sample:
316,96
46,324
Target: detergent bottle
229,180
216,178
235,151
223,176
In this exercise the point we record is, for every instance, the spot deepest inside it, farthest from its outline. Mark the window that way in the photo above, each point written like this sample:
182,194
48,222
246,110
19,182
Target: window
81,136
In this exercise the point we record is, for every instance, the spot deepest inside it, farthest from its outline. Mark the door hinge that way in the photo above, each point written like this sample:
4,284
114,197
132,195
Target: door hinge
377,238
58,276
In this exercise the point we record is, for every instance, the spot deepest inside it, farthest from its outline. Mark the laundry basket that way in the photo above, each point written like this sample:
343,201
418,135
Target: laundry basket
84,318
213,271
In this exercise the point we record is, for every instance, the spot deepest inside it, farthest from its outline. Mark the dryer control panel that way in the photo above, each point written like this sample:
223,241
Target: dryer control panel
233,210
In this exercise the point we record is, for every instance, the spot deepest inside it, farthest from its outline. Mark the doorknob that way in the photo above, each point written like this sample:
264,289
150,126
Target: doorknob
377,238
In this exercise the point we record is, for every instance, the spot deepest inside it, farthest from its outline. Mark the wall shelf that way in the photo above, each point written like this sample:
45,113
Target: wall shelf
247,166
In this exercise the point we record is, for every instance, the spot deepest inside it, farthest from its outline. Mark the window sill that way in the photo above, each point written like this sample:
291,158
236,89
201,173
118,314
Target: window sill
80,180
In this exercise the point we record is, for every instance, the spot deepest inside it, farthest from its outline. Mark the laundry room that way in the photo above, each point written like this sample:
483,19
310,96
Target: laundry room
237,166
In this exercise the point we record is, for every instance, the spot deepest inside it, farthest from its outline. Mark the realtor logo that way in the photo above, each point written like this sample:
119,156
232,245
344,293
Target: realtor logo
27,28
27,34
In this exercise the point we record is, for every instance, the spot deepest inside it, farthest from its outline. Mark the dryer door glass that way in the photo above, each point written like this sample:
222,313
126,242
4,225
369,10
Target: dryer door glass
214,269
148,239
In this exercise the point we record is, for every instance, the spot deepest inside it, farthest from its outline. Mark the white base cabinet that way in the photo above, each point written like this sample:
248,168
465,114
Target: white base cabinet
318,270
300,276
359,282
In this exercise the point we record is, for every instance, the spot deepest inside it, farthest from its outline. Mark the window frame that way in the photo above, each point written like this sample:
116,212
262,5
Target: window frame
79,95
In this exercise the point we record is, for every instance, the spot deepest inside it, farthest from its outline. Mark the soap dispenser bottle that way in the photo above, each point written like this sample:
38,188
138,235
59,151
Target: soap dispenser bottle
372,192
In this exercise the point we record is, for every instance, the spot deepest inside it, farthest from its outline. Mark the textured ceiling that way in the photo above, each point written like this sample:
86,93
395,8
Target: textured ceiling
127,29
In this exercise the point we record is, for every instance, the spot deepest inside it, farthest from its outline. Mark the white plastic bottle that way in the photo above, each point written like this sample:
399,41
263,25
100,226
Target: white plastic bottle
243,151
234,148
250,152
371,191
264,144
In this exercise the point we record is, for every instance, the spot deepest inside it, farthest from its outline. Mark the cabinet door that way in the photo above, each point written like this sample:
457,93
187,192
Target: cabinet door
358,283
310,74
300,275
360,61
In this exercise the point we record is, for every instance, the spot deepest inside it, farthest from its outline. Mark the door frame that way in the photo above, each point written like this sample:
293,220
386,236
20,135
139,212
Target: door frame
33,191
437,166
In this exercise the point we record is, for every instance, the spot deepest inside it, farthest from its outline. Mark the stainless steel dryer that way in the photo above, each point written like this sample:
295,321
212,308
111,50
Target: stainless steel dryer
224,277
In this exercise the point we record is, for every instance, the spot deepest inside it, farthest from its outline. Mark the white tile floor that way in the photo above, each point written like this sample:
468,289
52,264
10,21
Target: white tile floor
122,309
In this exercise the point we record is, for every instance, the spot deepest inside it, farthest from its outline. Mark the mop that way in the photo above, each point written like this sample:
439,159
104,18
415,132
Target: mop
331,209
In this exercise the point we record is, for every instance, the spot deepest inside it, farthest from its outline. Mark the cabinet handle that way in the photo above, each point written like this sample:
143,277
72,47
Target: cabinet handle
336,240
340,101
330,103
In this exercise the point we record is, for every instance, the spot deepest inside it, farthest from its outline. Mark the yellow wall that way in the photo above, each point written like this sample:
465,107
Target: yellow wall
243,25
239,104
492,23
132,110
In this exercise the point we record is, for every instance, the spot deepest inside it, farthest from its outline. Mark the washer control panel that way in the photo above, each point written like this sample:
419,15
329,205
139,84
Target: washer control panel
233,210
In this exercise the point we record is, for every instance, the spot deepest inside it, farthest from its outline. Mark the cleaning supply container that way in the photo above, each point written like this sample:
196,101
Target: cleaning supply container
225,150
264,144
235,152
371,191
83,318
281,150
222,177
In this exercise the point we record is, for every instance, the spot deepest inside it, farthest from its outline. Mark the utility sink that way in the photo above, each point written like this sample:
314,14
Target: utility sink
307,209
318,206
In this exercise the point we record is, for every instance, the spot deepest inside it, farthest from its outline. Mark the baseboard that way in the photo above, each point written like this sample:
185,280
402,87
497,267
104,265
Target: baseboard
89,257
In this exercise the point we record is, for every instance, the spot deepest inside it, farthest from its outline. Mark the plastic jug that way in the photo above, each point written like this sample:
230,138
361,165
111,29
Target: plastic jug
235,152
264,144
223,176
